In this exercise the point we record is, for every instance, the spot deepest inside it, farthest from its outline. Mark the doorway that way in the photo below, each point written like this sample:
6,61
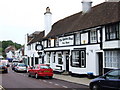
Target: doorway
67,62
100,63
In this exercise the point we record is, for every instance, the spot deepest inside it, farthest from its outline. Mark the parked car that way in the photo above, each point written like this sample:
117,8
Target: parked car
41,70
3,68
110,80
5,62
14,65
21,67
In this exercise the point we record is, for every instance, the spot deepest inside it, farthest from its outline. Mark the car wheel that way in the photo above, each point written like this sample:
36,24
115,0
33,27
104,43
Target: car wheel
6,71
95,87
29,75
50,77
36,76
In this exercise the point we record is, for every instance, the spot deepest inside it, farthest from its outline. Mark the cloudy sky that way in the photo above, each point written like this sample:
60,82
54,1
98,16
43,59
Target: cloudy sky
19,17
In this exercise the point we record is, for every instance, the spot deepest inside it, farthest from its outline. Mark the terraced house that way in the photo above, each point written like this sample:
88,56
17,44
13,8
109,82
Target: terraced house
83,43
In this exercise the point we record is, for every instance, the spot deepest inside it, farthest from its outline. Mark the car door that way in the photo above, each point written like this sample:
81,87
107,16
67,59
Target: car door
31,71
112,79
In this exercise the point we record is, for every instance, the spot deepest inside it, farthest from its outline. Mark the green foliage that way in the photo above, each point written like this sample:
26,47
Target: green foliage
5,44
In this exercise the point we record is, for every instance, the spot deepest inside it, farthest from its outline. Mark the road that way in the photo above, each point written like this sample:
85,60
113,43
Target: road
14,80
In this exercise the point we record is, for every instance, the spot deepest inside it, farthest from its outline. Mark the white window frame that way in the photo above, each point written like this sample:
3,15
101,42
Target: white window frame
48,58
77,39
112,59
93,36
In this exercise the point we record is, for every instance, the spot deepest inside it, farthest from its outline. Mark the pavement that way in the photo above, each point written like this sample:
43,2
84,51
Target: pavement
78,80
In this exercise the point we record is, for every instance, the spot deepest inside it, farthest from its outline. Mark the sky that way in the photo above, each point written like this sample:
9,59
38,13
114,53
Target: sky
19,17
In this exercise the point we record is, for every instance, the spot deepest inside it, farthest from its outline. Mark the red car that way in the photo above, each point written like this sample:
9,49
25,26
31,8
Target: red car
40,70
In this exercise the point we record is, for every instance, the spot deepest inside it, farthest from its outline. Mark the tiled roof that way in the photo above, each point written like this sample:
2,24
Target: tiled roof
104,13
37,37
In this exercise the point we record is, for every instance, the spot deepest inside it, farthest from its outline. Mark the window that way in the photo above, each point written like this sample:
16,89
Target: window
78,58
29,47
49,43
60,58
82,62
54,54
77,39
112,31
48,57
75,58
112,59
57,42
93,36
115,74
84,38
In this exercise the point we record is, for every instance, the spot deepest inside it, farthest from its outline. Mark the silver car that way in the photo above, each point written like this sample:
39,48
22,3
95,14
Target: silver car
21,67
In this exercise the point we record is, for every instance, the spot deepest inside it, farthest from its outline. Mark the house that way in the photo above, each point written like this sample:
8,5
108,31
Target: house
86,42
30,54
10,52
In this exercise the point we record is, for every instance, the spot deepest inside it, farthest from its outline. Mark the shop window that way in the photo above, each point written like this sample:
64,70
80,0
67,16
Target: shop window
75,59
112,59
78,58
60,58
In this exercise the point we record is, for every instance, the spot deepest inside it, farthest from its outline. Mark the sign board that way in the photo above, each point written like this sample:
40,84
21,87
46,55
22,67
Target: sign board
65,41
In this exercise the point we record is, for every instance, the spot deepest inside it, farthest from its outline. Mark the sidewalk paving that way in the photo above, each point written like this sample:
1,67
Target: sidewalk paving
78,80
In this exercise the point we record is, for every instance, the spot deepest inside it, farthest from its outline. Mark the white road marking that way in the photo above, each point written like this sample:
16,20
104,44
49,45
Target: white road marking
44,81
65,86
50,82
57,84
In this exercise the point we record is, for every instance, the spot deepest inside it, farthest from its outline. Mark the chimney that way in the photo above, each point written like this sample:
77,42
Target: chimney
86,5
48,20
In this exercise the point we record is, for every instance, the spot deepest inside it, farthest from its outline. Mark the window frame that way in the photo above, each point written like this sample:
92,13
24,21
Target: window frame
112,31
93,34
80,61
60,61
77,38
111,59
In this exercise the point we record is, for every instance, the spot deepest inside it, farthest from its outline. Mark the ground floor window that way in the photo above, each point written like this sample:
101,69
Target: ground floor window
36,60
48,58
78,58
112,59
60,58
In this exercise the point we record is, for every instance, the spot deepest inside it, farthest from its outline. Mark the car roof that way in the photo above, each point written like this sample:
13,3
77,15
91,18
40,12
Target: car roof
42,65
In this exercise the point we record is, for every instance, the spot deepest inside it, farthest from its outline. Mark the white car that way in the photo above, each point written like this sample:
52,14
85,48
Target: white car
21,67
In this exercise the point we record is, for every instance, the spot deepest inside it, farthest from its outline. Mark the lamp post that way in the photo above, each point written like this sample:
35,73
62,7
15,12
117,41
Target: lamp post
39,48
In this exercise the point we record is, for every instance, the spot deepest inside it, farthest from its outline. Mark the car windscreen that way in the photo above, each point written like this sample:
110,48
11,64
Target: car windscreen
1,65
22,65
44,67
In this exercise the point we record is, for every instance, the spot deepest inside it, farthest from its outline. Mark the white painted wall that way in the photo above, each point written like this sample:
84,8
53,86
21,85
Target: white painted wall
91,60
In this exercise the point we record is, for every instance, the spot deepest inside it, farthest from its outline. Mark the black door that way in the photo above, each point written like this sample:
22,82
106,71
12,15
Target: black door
100,61
67,62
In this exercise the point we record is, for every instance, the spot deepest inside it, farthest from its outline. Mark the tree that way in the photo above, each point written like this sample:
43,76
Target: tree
5,44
